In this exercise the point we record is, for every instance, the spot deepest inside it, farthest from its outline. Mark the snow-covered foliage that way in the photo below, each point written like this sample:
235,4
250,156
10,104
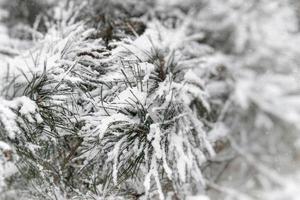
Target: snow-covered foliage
130,99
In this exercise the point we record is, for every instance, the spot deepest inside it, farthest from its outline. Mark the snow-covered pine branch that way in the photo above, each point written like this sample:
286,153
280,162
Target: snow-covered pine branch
149,99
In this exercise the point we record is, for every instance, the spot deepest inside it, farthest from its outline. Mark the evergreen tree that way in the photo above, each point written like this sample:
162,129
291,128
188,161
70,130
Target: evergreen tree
129,99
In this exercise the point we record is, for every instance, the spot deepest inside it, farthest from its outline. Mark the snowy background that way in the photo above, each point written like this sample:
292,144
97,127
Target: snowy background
150,99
